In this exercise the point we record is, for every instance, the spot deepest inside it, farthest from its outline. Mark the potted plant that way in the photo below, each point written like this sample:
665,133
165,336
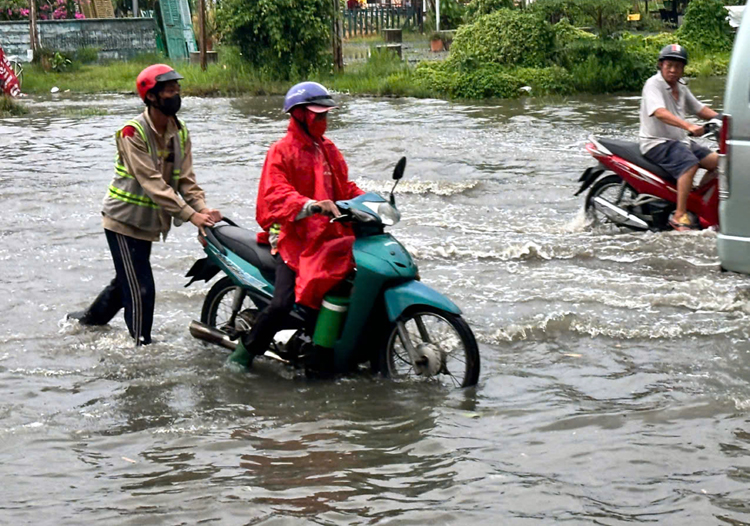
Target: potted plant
436,42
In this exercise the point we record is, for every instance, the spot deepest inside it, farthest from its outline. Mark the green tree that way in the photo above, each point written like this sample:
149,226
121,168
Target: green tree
705,26
510,37
608,16
477,8
284,39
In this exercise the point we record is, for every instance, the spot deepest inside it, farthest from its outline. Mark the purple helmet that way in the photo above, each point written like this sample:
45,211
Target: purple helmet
310,94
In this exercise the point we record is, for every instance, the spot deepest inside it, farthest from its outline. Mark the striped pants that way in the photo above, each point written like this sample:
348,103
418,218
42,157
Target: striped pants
132,289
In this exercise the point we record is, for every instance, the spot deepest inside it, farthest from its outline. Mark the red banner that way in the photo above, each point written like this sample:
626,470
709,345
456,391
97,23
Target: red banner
8,80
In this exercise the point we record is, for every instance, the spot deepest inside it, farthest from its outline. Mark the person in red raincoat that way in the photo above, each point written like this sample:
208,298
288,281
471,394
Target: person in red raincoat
302,170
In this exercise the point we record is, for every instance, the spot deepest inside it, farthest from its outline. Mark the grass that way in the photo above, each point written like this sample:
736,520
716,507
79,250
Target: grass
383,74
230,77
11,108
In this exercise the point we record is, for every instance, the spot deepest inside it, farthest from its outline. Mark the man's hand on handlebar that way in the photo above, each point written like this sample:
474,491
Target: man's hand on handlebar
327,207
696,130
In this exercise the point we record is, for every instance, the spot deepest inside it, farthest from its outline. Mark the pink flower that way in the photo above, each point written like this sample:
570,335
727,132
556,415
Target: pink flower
80,16
24,12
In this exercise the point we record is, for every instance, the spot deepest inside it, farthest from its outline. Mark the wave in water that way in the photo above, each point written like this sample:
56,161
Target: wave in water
416,187
528,251
568,322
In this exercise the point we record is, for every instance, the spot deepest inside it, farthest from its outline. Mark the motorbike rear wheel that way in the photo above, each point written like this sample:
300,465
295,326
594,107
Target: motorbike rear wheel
217,308
610,189
444,337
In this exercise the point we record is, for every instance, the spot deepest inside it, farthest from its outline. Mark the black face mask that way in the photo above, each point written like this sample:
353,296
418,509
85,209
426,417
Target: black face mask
170,105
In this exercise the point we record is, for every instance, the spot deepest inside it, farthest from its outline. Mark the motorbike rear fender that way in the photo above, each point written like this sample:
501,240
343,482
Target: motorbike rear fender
588,177
411,293
203,269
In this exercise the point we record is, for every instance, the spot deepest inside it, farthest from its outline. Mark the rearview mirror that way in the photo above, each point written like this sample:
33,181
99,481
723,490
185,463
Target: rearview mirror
398,172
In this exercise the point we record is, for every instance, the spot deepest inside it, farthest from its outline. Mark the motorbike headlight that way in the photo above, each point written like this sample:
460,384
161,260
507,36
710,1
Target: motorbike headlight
389,214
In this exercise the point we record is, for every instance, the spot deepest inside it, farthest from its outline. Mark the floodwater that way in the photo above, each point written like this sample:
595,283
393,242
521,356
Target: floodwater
615,384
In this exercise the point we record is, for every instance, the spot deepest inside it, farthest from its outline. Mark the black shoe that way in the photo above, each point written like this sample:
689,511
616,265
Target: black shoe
83,317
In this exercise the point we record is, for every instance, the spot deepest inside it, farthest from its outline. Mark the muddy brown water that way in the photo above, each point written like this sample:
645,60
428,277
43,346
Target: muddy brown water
615,384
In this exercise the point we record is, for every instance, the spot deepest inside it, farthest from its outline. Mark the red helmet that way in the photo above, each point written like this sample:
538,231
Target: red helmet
152,75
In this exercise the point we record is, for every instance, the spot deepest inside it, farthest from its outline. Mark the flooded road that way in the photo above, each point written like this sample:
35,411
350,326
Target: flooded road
615,384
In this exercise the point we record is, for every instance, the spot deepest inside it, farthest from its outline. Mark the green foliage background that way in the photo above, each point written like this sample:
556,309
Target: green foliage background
506,36
477,8
705,27
283,39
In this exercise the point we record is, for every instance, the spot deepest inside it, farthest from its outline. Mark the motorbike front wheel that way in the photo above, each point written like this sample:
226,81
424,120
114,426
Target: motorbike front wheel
609,188
445,340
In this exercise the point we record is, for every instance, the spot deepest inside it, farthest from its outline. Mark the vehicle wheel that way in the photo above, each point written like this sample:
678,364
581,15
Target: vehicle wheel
444,339
17,71
610,189
217,308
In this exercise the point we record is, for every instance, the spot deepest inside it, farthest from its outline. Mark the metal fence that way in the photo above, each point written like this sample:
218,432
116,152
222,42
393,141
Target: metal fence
362,22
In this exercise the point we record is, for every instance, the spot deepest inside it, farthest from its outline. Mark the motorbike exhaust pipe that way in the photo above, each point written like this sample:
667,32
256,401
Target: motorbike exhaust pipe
618,215
208,334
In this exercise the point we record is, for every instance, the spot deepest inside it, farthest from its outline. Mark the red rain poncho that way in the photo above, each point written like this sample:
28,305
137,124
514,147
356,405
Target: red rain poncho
296,170
8,80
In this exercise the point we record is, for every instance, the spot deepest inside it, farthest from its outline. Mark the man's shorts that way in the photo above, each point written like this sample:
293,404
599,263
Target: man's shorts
676,157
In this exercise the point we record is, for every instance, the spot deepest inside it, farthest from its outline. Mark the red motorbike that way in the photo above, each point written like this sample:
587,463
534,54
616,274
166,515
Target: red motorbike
628,190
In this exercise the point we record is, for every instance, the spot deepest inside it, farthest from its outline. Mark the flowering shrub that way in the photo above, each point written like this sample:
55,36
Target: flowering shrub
46,9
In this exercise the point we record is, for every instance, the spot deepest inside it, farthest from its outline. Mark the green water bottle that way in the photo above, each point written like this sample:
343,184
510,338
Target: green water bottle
330,320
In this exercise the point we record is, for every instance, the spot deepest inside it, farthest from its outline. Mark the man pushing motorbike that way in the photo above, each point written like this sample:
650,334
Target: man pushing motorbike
664,130
303,172
153,183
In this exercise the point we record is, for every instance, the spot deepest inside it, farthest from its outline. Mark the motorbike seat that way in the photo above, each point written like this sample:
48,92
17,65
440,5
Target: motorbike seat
631,151
243,243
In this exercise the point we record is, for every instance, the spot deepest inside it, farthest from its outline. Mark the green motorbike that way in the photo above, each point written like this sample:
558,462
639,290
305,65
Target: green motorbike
386,319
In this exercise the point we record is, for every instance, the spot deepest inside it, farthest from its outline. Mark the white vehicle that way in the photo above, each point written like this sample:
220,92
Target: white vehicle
734,160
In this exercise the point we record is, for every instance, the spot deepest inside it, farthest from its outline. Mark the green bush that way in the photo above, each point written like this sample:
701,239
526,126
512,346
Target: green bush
488,81
654,43
705,26
708,65
477,8
566,33
606,66
506,37
492,81
284,39
554,11
546,81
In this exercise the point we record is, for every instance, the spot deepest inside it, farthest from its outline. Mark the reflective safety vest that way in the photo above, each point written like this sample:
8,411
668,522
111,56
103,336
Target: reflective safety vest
126,201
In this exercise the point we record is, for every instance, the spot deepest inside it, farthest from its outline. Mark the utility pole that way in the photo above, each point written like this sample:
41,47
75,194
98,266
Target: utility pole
202,24
33,28
437,15
336,36
135,9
